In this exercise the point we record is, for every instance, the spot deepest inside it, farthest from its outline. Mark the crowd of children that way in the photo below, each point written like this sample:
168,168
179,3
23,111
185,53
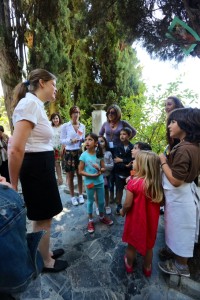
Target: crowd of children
149,180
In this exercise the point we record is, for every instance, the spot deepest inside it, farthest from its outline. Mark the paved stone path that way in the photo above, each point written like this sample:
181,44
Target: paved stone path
96,268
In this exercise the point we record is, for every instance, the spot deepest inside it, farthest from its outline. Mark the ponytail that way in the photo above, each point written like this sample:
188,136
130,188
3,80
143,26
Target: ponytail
19,92
31,85
99,151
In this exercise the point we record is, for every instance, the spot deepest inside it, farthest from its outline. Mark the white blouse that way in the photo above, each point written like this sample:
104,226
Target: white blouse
32,109
56,136
68,133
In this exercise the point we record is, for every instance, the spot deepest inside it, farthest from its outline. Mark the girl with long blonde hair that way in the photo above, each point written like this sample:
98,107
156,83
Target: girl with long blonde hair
142,208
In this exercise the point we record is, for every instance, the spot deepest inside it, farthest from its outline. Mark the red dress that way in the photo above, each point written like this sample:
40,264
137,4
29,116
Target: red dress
141,222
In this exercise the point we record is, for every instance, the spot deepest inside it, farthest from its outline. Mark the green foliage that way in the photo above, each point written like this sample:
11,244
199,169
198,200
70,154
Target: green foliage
84,118
148,115
3,116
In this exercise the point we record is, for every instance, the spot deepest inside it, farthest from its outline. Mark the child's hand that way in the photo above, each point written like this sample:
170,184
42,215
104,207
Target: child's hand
4,182
118,160
129,164
121,212
97,174
96,166
128,178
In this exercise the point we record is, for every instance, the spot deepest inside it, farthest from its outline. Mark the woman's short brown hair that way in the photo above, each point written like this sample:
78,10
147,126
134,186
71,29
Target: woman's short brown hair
117,110
74,109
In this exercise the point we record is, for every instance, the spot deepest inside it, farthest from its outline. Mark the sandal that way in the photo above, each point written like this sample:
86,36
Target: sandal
129,269
169,267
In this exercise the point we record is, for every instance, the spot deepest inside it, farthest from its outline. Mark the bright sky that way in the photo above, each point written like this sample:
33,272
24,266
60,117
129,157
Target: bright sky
158,72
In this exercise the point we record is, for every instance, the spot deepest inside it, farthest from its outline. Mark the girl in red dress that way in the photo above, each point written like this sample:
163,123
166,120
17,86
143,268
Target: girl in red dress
142,208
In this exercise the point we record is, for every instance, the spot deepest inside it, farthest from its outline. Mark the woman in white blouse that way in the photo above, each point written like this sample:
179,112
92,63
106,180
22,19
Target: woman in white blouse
31,158
72,135
56,123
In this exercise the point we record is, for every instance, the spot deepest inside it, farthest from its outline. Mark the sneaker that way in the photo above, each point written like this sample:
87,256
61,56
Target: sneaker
74,201
90,227
119,206
106,221
169,267
81,199
108,210
97,211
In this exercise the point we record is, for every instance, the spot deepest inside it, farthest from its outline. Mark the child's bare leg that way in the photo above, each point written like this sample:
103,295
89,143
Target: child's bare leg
130,254
59,172
181,260
90,216
148,259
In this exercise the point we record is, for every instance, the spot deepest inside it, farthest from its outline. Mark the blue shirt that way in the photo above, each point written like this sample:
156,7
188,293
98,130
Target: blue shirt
89,160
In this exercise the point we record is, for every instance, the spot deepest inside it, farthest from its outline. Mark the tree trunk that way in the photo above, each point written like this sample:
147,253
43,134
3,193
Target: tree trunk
9,68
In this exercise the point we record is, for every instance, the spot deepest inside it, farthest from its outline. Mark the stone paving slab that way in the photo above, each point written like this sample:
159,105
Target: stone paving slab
96,269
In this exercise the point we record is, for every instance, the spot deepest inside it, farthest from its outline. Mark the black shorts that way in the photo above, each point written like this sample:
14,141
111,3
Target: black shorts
39,186
120,183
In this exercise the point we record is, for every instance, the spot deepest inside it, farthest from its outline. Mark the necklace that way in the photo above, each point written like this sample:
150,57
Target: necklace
113,124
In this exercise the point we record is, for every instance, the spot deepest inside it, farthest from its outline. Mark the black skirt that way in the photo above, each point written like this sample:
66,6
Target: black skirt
39,186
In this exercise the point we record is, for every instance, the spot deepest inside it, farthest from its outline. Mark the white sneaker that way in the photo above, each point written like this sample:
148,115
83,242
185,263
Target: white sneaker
97,211
81,199
108,210
74,201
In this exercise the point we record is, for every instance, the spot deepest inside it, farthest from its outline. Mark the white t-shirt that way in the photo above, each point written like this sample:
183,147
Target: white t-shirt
68,132
32,109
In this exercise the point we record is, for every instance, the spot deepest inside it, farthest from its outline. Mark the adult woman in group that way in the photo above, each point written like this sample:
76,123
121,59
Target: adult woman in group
4,155
56,123
111,128
72,135
171,103
31,158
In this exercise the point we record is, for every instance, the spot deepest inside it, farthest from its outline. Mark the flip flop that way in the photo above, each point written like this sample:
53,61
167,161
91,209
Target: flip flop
57,253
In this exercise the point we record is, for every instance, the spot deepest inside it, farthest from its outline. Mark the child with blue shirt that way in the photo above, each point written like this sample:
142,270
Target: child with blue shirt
92,167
